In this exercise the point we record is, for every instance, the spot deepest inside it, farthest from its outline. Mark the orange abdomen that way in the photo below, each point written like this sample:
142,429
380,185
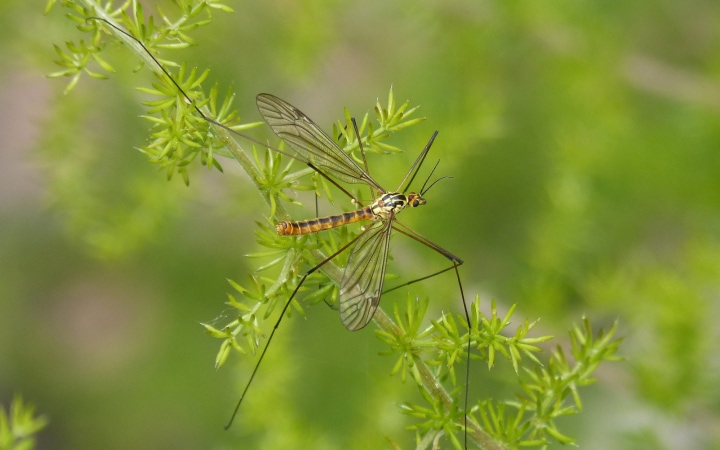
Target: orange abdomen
324,223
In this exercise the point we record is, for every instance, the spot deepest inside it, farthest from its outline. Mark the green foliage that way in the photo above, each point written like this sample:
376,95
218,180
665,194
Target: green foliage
182,134
19,425
547,393
552,393
179,135
178,138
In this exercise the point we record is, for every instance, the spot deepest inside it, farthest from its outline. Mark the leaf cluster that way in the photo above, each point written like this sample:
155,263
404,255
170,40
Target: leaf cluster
188,126
19,425
545,393
179,135
549,393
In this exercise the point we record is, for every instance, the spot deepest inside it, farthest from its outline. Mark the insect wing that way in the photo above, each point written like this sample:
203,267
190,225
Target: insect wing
362,282
310,142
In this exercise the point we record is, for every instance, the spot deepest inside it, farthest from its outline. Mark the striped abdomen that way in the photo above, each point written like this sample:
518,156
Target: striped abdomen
324,223
383,208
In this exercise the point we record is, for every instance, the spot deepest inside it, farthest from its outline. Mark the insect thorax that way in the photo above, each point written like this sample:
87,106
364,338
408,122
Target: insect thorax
394,202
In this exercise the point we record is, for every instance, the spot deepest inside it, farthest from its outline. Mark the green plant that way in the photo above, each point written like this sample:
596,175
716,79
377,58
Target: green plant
19,425
181,136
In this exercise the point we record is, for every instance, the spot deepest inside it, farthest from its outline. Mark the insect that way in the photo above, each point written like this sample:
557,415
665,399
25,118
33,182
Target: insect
363,278
364,275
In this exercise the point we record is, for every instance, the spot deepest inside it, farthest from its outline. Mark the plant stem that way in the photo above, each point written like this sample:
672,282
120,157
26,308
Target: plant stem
383,321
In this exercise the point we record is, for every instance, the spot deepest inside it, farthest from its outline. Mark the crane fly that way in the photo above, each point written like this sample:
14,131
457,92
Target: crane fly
364,275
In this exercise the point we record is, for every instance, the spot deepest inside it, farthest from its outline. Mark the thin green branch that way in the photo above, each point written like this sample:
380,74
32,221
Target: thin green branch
180,136
429,382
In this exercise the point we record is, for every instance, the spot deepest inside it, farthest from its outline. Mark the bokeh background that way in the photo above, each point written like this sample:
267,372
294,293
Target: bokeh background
583,140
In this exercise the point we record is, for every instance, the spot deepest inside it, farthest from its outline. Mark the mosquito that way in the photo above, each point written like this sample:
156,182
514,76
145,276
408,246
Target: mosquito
363,278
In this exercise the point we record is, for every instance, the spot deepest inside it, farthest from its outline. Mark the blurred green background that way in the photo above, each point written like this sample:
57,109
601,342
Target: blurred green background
582,138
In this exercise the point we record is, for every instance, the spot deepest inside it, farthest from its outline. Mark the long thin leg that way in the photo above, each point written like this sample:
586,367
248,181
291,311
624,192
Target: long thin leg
426,277
462,294
400,228
416,165
353,200
362,152
282,314
298,157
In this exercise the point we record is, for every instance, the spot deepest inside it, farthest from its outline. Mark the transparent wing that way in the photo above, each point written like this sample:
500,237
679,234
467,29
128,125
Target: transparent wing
362,282
310,142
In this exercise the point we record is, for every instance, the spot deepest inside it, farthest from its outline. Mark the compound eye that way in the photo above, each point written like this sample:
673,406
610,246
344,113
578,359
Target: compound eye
415,203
